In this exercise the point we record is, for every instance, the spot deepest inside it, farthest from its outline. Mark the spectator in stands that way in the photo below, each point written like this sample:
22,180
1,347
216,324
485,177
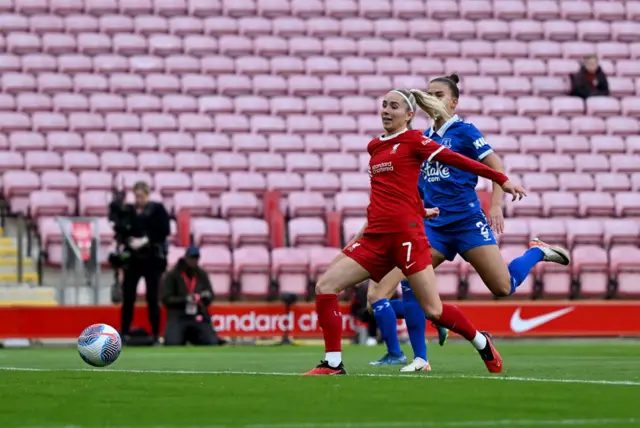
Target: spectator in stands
143,229
187,295
590,80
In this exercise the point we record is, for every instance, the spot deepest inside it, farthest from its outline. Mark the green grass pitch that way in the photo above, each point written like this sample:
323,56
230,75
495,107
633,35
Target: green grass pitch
549,384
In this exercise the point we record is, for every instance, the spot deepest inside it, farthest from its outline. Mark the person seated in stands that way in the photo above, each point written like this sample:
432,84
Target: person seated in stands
590,80
187,296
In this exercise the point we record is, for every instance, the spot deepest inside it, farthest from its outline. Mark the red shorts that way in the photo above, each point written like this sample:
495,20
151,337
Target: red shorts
379,254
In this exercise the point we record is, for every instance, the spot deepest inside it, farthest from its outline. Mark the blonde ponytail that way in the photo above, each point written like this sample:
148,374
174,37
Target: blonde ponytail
434,108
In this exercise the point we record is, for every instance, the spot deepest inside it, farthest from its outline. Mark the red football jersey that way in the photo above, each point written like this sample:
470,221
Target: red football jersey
395,205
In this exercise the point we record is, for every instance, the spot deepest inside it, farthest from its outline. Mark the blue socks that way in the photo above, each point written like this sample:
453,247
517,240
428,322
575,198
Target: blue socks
519,268
409,309
386,319
398,308
416,322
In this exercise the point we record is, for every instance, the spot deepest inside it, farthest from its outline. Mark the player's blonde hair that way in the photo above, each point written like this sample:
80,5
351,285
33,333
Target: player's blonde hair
431,105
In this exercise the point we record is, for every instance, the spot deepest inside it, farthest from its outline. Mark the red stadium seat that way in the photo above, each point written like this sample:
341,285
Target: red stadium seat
516,231
537,144
321,143
284,182
217,261
239,204
540,182
624,268
20,183
596,204
572,144
213,183
42,161
306,231
249,231
552,231
621,232
211,231
608,145
627,204
247,182
560,204
196,203
585,231
291,269
590,265
531,206
306,204
81,161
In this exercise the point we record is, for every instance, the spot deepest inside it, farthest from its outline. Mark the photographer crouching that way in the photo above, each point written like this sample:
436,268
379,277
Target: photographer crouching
141,233
187,295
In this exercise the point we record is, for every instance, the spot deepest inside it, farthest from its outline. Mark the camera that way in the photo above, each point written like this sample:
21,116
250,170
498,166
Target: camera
120,216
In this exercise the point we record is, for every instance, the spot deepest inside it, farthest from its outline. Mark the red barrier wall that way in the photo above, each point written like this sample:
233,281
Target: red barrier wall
507,319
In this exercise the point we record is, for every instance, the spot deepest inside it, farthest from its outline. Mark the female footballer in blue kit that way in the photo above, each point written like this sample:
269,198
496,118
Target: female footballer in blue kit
461,227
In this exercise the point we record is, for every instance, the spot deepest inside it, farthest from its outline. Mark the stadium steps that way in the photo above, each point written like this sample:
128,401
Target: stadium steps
9,262
26,295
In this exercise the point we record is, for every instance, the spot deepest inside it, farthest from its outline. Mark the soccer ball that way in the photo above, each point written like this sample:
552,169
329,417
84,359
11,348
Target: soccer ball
99,345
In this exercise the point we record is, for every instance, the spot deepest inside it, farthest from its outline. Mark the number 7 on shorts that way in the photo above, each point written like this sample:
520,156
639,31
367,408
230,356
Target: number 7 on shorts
408,245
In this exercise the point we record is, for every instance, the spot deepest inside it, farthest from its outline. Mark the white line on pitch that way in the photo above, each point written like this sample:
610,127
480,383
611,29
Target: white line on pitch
416,424
382,375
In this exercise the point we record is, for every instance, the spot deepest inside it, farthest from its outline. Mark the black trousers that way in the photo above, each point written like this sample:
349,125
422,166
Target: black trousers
179,331
365,316
151,271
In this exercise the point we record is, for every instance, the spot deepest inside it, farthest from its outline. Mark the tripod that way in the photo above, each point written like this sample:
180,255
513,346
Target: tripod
289,299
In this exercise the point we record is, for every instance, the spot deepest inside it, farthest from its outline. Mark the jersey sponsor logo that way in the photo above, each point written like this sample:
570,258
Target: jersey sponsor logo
426,141
354,246
381,167
446,142
435,171
395,148
479,143
519,325
484,230
409,265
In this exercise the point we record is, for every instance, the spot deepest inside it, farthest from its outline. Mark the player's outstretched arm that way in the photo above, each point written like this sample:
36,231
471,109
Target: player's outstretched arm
431,151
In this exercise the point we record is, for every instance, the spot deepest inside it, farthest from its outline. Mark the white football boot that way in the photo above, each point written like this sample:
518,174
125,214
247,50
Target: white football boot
418,365
552,253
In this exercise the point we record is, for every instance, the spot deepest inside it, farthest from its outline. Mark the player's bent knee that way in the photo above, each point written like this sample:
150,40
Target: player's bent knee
434,311
373,296
326,285
501,290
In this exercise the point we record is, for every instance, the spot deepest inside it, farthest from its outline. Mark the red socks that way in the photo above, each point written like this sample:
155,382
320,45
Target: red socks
330,320
455,320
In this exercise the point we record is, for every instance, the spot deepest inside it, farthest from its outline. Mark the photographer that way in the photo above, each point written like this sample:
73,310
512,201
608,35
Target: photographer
361,312
142,229
187,294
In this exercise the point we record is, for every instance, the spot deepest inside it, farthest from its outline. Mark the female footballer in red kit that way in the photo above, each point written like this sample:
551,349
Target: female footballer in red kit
393,235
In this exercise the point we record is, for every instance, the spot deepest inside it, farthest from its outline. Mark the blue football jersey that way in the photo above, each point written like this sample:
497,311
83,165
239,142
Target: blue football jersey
450,189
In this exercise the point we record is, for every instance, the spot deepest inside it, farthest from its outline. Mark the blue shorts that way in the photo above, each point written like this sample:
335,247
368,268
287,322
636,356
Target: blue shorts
461,236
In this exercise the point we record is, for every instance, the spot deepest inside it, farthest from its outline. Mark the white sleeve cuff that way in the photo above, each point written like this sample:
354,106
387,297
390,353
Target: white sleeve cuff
485,154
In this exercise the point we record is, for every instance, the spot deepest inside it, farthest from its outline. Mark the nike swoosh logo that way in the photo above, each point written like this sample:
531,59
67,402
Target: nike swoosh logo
518,325
408,266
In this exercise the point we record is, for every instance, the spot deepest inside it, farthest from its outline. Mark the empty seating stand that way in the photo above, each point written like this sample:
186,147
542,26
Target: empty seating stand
216,102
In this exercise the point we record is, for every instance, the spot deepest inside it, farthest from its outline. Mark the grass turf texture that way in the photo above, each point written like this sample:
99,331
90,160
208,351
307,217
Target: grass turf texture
544,384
